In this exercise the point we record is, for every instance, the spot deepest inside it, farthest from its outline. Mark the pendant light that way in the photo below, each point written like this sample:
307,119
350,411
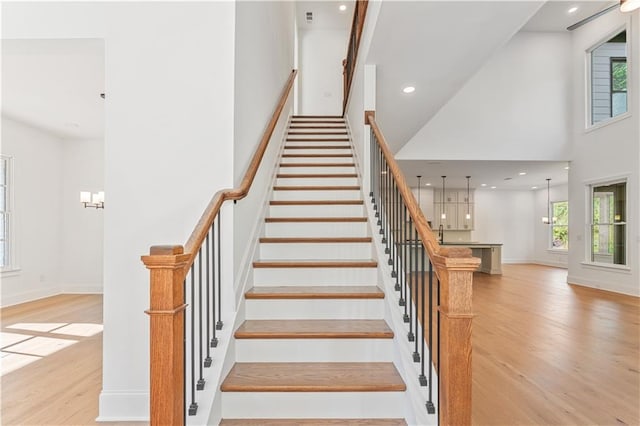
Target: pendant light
443,215
629,5
419,177
545,219
468,216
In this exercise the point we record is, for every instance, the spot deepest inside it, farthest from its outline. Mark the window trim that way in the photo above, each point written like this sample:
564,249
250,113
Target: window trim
589,184
12,267
588,86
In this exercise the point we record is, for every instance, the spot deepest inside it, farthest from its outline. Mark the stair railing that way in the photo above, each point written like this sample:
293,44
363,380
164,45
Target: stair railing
434,285
349,63
185,299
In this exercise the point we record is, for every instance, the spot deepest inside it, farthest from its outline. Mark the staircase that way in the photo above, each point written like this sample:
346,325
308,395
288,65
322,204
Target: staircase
314,348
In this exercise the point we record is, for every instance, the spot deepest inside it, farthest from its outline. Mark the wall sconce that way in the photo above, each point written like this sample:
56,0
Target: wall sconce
95,200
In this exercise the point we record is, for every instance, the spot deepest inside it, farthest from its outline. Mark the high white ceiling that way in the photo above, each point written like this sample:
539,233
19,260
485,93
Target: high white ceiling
555,15
55,85
326,15
504,175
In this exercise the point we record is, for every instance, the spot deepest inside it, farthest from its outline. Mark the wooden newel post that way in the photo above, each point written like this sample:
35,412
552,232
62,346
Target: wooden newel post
456,268
166,312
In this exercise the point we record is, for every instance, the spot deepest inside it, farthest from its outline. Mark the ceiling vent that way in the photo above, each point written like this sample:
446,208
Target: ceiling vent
309,17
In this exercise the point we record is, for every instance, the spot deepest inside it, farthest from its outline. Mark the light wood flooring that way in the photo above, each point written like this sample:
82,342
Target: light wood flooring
545,353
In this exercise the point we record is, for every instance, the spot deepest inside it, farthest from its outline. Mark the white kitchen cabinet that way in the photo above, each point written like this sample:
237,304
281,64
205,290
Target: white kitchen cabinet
456,211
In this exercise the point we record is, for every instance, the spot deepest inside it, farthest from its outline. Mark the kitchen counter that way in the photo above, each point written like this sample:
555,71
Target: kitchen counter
490,255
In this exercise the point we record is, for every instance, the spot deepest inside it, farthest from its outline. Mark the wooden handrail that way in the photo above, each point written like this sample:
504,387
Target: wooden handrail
454,267
348,64
202,227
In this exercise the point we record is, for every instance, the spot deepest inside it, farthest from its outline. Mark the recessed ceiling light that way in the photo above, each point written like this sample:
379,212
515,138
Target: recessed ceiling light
534,187
566,168
342,7
483,184
493,187
573,9
427,184
409,89
522,173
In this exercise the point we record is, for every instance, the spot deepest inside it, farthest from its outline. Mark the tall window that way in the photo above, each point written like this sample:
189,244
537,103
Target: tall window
5,212
609,78
608,223
560,225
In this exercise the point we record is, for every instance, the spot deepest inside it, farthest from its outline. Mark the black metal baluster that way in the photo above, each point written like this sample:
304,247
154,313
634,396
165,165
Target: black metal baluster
411,293
200,385
193,408
392,225
422,378
383,202
207,360
407,281
214,339
403,278
219,324
416,293
396,231
184,351
431,409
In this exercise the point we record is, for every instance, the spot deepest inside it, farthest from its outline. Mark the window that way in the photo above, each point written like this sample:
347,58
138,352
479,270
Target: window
609,78
6,254
560,225
608,223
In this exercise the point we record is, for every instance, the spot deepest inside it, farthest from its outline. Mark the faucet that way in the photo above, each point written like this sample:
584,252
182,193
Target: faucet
441,234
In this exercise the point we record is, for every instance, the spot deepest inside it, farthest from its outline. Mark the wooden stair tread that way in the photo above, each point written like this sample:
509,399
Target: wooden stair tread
311,133
315,240
316,292
313,377
317,188
315,202
314,329
292,263
313,422
317,127
316,175
316,116
317,164
314,219
317,139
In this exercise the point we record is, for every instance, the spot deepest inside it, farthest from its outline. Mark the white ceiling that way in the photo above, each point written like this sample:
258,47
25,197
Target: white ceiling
55,85
491,173
326,15
555,16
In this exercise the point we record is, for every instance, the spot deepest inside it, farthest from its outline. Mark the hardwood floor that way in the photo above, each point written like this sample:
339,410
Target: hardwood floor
545,353
549,353
61,338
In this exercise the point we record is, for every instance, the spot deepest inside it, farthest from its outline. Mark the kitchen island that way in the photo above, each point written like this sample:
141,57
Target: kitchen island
489,253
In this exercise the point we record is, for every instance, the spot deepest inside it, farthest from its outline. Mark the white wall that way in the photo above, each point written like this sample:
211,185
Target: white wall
601,153
506,217
37,212
542,232
516,107
321,54
169,123
82,235
264,37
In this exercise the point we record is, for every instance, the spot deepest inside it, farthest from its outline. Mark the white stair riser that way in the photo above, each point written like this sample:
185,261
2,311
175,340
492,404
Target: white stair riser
303,194
313,404
321,210
327,229
316,160
315,251
322,181
316,170
322,151
280,309
314,276
314,350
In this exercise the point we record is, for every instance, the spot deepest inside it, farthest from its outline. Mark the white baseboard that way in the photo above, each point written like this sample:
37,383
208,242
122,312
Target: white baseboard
562,265
28,296
118,406
602,285
91,288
